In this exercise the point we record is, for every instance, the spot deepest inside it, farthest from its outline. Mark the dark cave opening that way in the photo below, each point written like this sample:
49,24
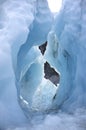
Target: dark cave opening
51,74
43,48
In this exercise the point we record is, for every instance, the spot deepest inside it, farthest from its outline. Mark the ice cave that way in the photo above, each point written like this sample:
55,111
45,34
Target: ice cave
42,65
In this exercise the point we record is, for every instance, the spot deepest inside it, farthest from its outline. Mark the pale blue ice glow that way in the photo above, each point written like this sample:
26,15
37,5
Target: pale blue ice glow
24,25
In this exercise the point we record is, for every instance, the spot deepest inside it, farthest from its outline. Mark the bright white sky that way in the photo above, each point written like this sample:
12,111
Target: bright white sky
55,5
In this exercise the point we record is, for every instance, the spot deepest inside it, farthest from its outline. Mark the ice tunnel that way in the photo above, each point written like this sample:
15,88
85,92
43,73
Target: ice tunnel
47,63
42,64
37,79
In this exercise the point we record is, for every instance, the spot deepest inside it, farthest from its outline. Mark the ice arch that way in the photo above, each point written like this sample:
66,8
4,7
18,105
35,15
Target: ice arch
36,93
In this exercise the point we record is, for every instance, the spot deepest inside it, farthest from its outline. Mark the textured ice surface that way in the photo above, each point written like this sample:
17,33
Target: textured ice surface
64,52
76,121
24,26
70,31
35,93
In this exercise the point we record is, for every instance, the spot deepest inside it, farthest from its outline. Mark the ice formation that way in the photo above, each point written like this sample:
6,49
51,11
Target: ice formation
70,28
43,57
37,93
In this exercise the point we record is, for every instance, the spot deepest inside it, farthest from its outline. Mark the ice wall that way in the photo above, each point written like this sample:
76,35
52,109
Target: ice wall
35,93
24,26
71,60
66,53
10,28
17,19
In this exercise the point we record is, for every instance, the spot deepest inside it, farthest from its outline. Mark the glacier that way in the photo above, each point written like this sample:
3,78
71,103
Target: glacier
42,65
